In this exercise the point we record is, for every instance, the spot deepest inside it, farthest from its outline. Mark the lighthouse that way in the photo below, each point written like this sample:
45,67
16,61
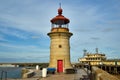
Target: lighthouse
60,43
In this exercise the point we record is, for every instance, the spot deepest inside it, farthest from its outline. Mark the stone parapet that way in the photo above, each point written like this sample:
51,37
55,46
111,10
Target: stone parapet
27,73
100,74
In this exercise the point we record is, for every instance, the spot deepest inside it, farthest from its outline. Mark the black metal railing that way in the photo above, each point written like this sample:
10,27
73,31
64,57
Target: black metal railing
3,75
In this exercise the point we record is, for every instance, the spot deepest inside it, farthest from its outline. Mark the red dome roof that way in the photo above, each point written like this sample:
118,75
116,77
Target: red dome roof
60,17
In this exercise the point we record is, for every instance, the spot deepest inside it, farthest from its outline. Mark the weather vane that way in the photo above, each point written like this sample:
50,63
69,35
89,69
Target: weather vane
60,5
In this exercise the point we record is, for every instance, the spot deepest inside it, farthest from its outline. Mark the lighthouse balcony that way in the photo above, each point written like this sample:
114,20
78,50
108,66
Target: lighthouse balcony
59,29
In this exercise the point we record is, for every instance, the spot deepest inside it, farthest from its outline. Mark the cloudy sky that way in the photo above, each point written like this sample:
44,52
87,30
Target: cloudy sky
24,25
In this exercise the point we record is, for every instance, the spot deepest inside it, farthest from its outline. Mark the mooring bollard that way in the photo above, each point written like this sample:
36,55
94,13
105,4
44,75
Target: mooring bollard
44,72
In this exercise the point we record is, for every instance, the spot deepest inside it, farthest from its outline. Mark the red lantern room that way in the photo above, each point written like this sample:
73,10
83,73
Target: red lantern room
60,21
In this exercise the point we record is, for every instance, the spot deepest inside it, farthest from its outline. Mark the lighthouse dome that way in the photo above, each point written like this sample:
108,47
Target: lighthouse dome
60,19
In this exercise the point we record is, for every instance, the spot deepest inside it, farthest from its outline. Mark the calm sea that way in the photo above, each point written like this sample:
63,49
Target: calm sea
12,72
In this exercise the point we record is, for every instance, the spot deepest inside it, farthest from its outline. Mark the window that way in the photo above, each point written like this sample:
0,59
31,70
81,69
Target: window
60,46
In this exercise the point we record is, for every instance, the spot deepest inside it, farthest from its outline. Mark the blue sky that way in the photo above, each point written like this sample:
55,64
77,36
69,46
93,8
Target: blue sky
24,25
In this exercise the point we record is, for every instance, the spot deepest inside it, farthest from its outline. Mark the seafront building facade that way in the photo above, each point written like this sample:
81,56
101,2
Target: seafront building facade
97,59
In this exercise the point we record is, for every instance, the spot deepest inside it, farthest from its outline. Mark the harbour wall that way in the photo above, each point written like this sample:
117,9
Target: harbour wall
27,73
42,65
8,65
112,69
99,74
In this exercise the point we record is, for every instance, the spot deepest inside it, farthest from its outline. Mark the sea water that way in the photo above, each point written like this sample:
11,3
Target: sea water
12,72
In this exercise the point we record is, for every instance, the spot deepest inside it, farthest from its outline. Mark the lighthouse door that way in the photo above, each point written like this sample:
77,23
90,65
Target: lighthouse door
60,66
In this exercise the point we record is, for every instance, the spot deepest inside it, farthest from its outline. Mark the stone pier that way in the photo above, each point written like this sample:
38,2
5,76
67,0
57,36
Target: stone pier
99,74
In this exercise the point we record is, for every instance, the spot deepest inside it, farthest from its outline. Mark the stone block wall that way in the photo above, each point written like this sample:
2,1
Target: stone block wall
100,74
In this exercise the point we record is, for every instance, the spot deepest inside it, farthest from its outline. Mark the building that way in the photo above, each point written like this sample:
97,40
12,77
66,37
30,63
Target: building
97,59
92,58
59,44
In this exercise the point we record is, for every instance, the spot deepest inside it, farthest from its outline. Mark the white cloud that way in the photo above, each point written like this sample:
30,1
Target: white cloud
2,37
31,17
88,22
14,32
23,47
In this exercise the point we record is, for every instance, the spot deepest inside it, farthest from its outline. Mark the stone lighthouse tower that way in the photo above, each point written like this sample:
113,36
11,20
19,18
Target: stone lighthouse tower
60,45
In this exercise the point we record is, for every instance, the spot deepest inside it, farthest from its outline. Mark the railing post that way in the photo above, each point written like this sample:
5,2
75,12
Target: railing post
2,74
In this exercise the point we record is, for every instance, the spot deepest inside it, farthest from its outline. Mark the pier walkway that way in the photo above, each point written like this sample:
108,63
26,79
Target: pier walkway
57,76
